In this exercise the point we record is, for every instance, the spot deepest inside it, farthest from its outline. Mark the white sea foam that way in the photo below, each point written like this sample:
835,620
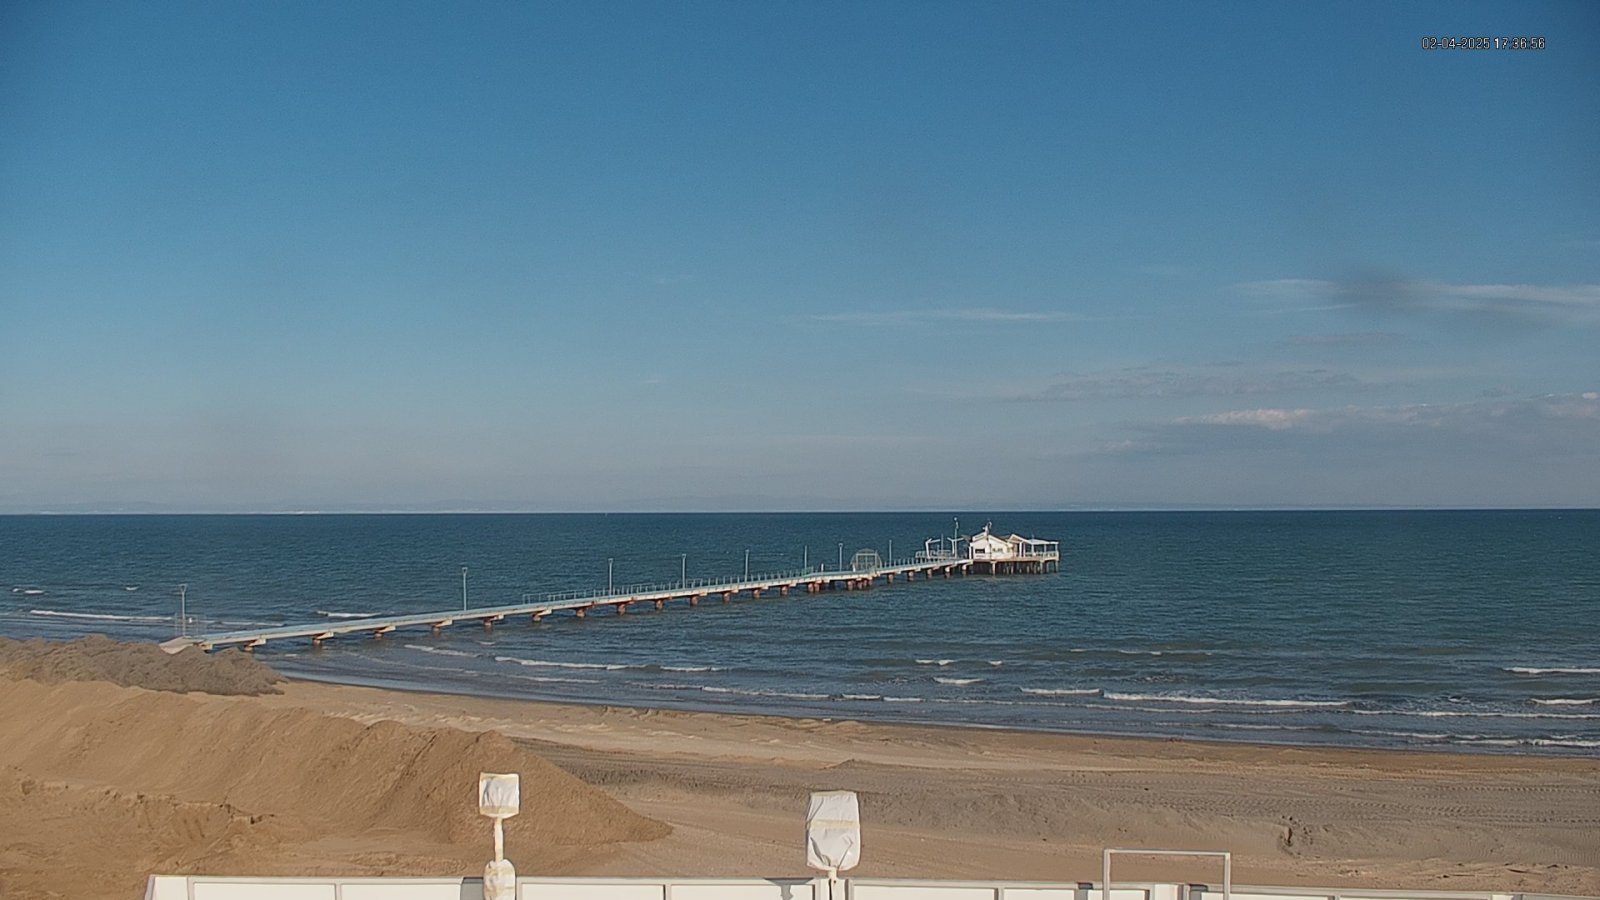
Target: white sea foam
693,669
997,662
863,696
958,681
903,699
747,693
130,587
545,663
934,662
1062,692
1244,726
1564,670
27,592
239,624
1221,701
1566,701
1461,714
344,615
441,651
97,617
1534,742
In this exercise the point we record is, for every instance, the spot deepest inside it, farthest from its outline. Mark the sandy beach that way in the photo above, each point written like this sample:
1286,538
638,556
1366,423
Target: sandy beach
103,783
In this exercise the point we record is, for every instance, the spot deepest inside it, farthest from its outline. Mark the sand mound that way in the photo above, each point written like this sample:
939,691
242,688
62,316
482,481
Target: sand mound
98,658
269,791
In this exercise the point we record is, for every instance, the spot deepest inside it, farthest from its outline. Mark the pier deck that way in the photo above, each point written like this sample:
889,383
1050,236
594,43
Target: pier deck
940,557
581,604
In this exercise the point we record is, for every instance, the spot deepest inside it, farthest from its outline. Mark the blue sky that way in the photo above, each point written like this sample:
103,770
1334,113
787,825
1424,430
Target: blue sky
903,255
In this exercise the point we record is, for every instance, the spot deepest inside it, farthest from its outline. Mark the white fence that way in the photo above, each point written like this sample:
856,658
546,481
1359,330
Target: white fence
204,887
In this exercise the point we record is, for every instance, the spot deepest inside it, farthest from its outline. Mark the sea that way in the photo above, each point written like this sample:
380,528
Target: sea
1452,630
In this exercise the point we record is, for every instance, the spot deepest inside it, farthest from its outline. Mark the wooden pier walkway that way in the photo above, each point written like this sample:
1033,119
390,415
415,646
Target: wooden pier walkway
582,604
866,569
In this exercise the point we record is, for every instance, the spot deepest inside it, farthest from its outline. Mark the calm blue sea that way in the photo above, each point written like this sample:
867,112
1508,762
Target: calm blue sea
1460,630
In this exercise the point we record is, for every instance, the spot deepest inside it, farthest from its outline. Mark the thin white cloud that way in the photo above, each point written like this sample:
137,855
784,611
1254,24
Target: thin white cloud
1569,303
1216,381
958,314
1343,339
1475,415
1270,419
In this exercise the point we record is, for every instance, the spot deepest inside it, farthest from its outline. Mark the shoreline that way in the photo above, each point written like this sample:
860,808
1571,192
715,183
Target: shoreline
1154,747
444,690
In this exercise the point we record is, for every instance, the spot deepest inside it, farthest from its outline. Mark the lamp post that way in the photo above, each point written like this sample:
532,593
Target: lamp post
805,558
499,798
463,588
747,564
609,562
841,556
183,609
683,570
891,551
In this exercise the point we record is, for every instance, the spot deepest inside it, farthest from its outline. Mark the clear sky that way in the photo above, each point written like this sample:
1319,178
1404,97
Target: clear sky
902,255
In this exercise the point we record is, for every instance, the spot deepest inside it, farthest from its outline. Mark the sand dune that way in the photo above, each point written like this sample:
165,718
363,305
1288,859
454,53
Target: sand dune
102,784
98,658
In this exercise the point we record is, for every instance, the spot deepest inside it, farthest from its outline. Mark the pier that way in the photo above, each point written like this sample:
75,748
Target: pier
940,558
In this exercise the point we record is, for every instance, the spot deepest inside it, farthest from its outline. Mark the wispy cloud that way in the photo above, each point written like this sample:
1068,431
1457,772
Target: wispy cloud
958,314
1216,381
1568,303
1343,339
1487,415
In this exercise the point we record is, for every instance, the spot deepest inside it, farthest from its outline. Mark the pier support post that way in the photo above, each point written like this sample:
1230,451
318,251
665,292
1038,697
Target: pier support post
694,599
662,603
582,612
727,596
755,593
538,617
622,609
783,590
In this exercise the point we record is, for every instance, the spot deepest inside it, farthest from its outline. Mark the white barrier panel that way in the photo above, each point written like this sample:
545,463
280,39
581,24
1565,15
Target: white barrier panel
206,887
1318,893
665,888
613,890
859,891
214,891
380,891
910,889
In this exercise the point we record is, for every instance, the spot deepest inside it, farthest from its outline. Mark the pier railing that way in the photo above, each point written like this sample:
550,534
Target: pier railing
712,585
